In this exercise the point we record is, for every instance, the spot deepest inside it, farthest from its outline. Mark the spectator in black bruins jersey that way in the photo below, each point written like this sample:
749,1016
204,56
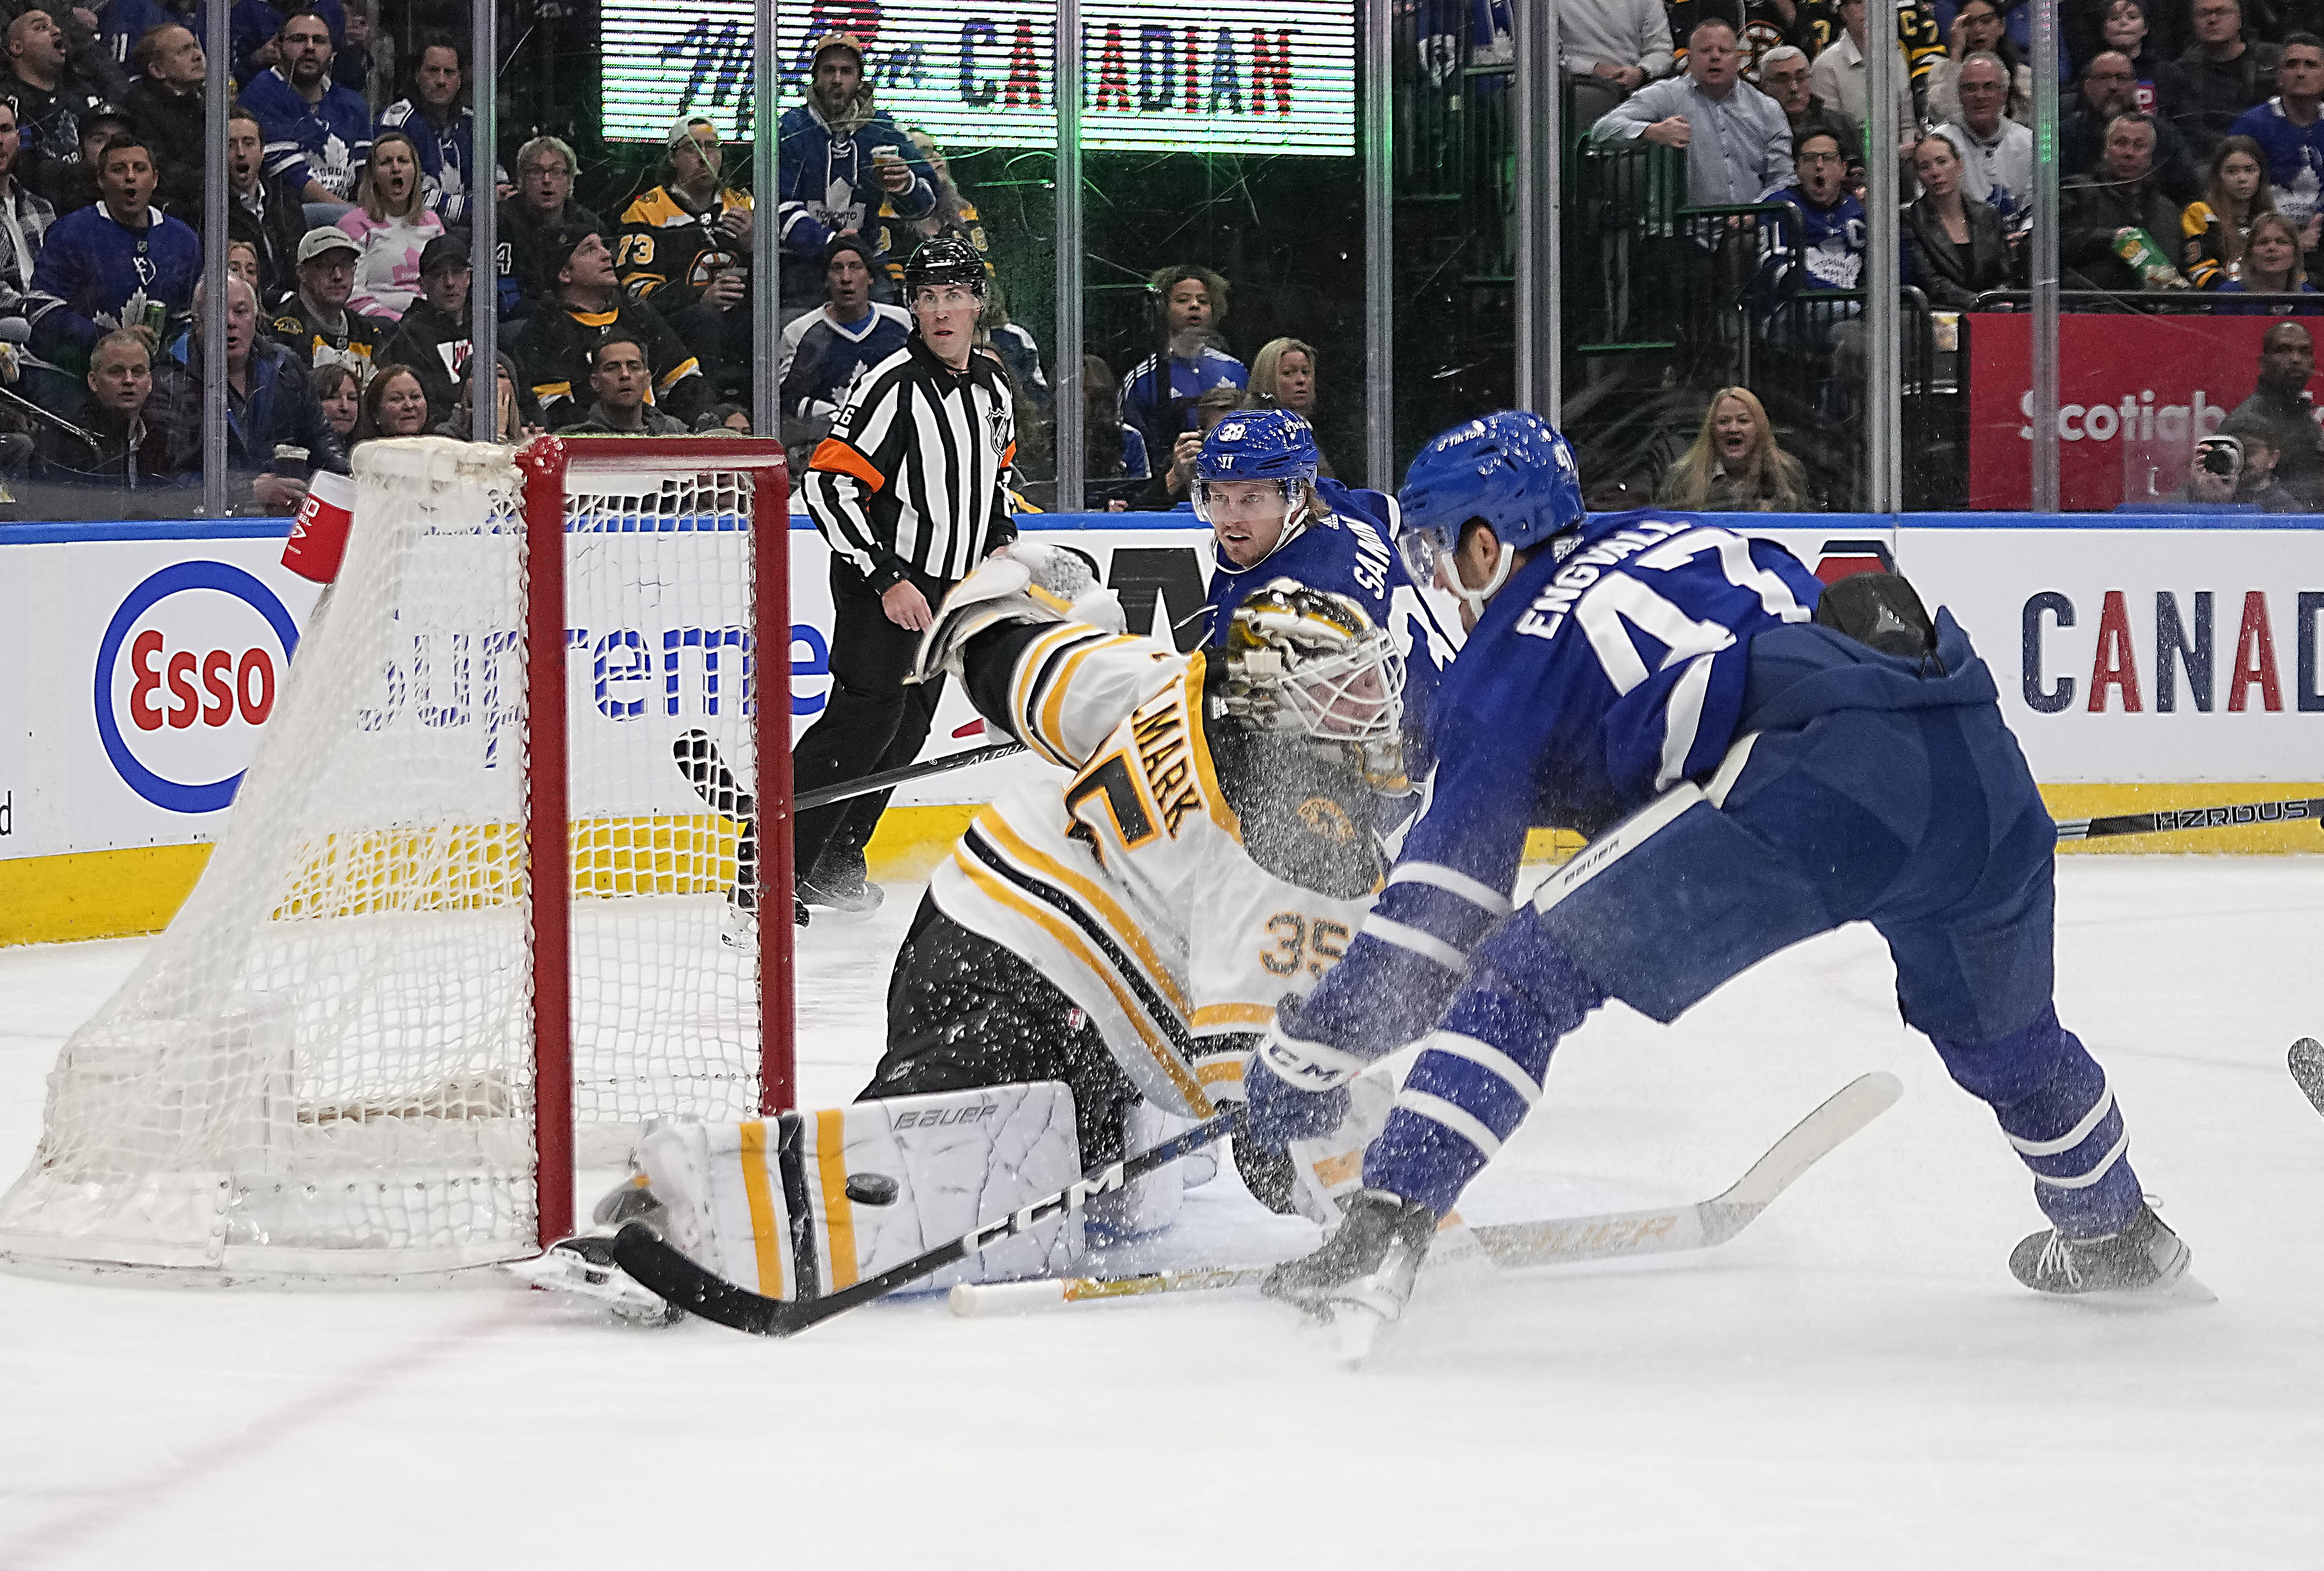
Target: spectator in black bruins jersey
316,323
433,338
911,490
686,251
581,309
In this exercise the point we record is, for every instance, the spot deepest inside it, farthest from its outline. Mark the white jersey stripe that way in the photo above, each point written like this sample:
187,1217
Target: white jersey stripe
2072,1136
1457,1119
1451,881
1486,1056
1419,943
2105,1163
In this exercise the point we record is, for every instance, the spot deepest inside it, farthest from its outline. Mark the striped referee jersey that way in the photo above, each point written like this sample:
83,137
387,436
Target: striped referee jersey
915,473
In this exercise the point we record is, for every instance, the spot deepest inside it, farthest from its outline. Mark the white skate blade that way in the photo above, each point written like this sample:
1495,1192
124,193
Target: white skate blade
567,1274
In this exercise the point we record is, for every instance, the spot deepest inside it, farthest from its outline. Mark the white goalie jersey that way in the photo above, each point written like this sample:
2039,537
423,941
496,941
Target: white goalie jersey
1186,877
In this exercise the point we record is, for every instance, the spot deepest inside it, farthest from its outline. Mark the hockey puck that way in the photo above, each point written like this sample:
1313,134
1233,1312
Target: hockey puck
873,1188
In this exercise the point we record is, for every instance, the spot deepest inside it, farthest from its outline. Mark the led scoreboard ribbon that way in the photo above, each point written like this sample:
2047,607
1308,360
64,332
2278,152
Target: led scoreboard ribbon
1177,78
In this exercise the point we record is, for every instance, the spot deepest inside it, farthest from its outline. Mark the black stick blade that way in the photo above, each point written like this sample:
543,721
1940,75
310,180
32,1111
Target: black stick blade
679,1281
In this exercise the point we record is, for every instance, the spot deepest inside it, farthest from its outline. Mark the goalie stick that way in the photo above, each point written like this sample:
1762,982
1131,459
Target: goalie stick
1704,1225
2307,1061
685,1285
2292,810
705,768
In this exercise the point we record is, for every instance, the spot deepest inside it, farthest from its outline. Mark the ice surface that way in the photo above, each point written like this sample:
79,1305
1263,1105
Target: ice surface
1855,1381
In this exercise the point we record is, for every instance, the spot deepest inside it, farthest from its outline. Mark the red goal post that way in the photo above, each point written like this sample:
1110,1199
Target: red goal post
550,466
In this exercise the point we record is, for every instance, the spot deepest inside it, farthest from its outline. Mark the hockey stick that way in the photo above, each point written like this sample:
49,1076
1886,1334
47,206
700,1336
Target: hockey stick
680,1282
2292,810
825,795
2307,1059
1704,1225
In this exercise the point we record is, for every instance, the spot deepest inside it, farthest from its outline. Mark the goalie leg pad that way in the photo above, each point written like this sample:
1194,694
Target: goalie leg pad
814,1202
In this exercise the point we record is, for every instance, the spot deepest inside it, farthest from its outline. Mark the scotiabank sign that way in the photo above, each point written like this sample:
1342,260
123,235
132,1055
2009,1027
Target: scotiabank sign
2134,395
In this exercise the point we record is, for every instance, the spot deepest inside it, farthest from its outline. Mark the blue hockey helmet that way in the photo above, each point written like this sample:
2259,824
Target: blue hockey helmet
1257,444
1511,469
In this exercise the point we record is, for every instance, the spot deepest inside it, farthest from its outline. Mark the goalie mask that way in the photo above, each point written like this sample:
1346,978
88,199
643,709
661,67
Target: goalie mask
1310,661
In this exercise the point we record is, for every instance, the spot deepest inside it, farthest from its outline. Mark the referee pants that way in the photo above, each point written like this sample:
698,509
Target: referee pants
872,722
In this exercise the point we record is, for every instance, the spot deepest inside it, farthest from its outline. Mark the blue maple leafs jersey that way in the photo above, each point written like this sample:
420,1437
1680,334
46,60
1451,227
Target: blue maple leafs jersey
1600,676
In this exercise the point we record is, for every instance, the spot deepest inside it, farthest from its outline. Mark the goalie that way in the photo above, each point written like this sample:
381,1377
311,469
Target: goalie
1094,958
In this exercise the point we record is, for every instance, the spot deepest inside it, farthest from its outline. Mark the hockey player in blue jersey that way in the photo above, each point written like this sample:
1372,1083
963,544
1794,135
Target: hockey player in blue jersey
1755,761
1270,517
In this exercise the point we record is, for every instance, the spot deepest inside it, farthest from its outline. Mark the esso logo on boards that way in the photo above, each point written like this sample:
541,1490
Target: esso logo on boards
190,667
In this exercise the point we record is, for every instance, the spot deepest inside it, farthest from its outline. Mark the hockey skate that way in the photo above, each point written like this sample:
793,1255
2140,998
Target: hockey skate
738,920
842,884
2144,1260
585,1267
1362,1276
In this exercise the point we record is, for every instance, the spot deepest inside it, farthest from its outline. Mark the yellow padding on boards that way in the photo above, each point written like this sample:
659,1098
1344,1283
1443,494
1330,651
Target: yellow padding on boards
95,894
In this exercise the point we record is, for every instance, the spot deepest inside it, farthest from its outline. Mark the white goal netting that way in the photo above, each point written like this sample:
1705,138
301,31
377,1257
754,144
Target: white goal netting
326,1068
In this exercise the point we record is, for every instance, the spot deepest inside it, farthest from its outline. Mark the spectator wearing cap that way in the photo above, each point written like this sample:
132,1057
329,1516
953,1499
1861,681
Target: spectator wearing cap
165,104
686,251
542,208
840,159
432,337
622,381
1159,394
826,350
72,187
2257,484
128,452
262,210
584,308
1737,143
119,263
442,129
392,222
317,132
316,323
25,218
50,101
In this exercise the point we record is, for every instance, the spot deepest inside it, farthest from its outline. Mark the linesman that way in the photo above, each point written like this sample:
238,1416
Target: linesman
911,490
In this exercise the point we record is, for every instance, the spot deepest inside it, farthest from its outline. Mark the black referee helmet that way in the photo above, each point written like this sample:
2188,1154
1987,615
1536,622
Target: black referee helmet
944,260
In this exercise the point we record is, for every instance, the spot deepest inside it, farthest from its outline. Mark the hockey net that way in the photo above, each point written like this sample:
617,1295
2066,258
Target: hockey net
364,1050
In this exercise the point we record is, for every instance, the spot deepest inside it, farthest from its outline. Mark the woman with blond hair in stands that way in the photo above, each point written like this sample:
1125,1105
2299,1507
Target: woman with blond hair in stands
1284,372
391,225
1735,464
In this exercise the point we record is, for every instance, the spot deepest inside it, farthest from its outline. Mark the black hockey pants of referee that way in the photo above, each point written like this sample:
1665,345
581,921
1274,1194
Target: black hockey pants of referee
872,722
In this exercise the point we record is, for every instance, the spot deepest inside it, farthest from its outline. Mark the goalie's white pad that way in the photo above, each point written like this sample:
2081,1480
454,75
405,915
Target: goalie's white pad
1328,1170
1030,581
857,1189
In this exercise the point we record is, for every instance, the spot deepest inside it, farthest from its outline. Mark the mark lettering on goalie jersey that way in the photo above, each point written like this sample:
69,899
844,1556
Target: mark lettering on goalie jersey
1168,763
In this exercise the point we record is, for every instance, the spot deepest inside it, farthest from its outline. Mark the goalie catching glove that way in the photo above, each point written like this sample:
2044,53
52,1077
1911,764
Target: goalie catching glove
1030,581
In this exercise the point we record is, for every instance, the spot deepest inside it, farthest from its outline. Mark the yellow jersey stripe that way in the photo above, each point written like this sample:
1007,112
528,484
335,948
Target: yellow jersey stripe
758,1195
1021,698
1163,1054
1233,1013
1103,905
1204,769
1053,717
838,1210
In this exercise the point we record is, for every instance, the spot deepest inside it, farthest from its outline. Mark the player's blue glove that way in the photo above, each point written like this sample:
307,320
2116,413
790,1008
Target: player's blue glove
1298,1089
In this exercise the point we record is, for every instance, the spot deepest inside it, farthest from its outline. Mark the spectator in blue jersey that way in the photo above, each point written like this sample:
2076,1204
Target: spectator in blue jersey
440,127
121,264
318,133
72,187
1272,516
1159,394
839,158
255,30
122,22
164,106
25,217
825,351
51,102
2290,129
1819,242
